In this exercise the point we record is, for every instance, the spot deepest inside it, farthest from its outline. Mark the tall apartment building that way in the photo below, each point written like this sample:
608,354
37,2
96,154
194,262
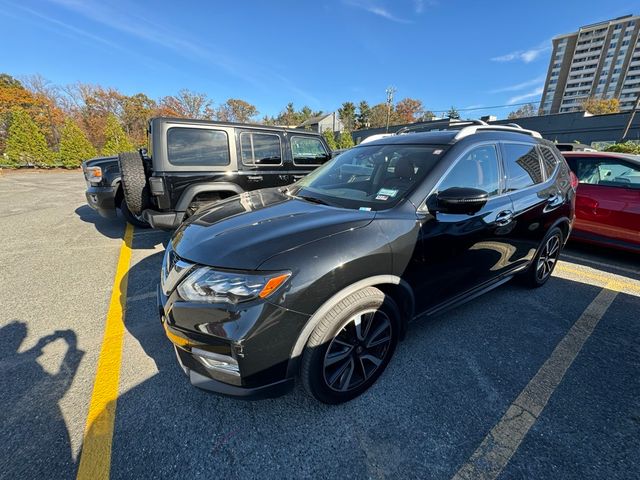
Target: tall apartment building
600,60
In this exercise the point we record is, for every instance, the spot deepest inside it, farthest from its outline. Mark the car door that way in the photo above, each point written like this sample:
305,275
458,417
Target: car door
536,199
261,159
457,253
307,153
608,198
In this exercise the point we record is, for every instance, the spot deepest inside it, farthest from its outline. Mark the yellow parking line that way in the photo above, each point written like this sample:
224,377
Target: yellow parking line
613,282
95,460
504,439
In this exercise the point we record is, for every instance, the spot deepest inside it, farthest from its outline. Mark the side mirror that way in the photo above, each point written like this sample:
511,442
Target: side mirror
458,200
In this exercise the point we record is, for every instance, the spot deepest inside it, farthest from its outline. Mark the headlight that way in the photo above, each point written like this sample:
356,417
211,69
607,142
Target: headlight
212,286
93,174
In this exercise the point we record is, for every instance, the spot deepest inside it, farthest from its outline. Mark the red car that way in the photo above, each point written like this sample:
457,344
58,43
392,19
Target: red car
608,198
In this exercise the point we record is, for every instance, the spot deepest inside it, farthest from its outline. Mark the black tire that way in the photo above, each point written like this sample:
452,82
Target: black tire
134,220
336,343
134,181
546,259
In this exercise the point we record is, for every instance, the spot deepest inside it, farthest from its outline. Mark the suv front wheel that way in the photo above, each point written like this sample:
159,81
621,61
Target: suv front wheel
351,346
545,260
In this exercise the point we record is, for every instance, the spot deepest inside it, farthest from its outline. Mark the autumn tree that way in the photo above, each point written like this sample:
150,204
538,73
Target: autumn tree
409,110
74,145
363,118
26,143
347,113
330,136
528,110
116,140
345,140
236,110
136,111
601,106
453,113
378,116
288,116
189,104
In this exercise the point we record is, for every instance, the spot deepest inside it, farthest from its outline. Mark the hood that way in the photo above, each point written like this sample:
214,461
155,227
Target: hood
244,231
101,161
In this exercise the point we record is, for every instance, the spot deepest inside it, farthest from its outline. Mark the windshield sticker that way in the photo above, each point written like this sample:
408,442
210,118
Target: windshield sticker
387,192
382,197
365,209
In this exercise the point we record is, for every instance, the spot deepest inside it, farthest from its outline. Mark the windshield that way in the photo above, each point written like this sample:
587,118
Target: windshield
369,177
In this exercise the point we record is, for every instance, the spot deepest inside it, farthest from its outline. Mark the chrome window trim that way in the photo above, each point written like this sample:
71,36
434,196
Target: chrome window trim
293,158
257,164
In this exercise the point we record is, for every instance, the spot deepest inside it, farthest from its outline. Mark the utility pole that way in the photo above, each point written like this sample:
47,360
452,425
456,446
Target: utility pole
390,91
631,115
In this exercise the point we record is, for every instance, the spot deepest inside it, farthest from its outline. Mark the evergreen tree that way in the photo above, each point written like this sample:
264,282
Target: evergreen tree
345,140
26,144
116,140
453,113
330,137
74,145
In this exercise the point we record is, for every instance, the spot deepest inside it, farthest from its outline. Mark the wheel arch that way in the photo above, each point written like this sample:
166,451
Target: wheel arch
390,285
193,190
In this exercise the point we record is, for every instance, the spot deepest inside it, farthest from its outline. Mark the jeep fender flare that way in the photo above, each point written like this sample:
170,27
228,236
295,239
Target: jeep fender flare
192,190
314,320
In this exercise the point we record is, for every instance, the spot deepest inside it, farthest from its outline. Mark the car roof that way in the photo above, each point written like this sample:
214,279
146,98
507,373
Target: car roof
623,156
448,137
191,121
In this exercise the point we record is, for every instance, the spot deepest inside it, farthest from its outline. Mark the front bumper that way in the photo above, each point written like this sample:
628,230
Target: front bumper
259,336
103,200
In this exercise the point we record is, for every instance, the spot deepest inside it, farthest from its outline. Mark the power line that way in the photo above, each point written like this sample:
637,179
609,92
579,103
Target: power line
487,107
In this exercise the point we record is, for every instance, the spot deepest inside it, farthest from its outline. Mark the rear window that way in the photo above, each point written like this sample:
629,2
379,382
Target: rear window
522,165
549,161
259,149
308,151
197,147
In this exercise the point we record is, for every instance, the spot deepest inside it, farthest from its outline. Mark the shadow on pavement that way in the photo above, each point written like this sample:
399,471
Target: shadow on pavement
36,441
618,262
109,227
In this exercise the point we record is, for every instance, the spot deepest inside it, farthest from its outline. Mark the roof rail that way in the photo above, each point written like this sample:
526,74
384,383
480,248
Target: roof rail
444,124
465,132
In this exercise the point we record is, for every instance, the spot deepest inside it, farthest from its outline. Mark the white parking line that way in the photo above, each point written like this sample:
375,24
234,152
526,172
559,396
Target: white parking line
503,440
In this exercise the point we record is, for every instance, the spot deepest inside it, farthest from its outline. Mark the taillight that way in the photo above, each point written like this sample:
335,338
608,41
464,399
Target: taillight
93,174
574,180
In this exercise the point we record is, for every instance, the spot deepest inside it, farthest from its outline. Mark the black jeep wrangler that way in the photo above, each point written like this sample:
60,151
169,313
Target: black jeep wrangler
190,163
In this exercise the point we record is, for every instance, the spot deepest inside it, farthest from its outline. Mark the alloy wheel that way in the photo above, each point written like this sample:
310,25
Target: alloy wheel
548,257
358,350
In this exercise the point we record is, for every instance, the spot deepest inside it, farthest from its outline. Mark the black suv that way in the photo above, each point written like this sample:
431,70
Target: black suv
190,163
319,280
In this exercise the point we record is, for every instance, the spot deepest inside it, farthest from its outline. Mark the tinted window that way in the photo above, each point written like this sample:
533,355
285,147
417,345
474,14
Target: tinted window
522,166
549,161
308,151
197,147
606,171
476,169
260,149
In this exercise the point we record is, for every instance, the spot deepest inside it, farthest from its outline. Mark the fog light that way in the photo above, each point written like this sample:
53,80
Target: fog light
216,361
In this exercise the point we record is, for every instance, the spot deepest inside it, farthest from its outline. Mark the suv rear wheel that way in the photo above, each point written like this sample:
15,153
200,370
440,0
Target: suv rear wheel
134,181
351,346
545,260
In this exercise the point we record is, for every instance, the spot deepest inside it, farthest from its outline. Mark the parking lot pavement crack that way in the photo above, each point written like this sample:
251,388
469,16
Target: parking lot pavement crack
497,448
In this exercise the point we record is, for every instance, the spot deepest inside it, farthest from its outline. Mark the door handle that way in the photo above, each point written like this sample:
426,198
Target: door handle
298,177
504,218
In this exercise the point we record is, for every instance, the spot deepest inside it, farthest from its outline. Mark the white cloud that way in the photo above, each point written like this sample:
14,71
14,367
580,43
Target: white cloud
520,86
376,9
418,6
526,56
524,96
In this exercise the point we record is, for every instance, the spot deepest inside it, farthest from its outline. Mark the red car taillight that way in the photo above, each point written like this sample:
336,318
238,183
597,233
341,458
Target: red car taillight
574,180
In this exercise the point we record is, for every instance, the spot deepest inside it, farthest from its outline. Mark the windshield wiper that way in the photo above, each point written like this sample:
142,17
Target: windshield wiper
313,200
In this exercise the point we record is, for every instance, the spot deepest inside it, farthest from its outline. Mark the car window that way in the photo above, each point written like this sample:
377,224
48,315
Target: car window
260,149
606,171
476,169
549,161
197,147
522,165
369,177
308,151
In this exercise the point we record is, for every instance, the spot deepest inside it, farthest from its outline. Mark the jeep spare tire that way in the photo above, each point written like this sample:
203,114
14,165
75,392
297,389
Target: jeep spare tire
134,181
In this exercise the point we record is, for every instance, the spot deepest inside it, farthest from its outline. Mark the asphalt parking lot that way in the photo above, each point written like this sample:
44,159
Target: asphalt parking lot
515,384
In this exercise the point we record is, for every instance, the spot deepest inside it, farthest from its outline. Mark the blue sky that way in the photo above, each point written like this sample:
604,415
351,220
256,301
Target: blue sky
318,53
